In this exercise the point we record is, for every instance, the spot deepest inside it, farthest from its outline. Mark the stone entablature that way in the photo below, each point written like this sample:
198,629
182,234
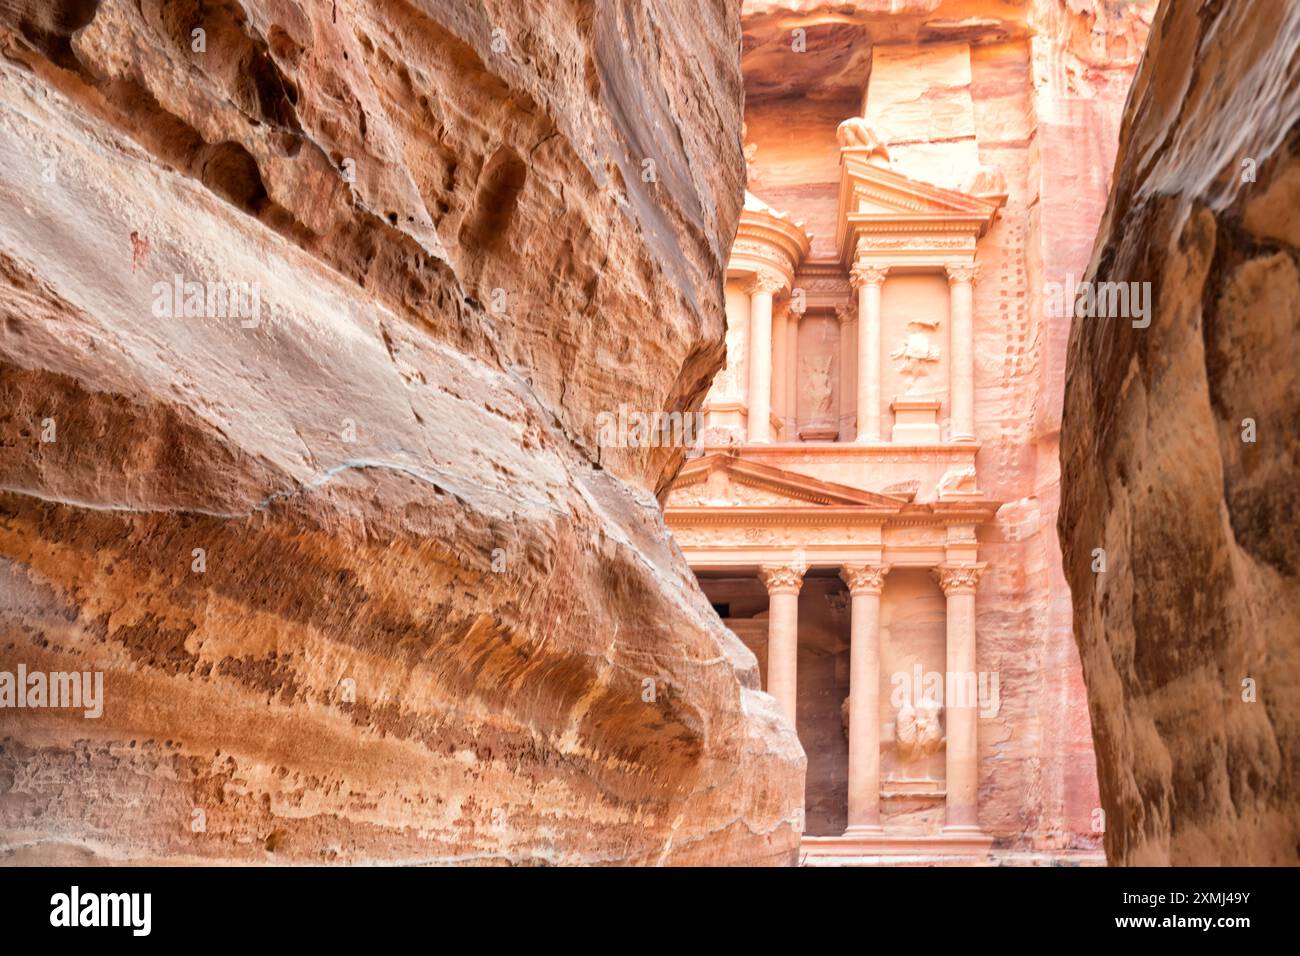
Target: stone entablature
725,511
769,246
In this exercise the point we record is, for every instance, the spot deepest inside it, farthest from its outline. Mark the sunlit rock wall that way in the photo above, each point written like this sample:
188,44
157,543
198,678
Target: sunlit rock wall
359,580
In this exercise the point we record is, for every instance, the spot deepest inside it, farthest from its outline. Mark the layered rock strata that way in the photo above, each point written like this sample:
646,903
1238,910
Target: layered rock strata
308,315
1179,449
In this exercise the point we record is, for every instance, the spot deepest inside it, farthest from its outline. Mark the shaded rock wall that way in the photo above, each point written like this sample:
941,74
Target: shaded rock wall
361,584
1179,450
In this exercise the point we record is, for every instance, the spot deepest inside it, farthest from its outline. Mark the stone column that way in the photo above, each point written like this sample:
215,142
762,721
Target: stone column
760,356
791,372
865,582
868,279
780,393
961,369
848,374
961,704
783,582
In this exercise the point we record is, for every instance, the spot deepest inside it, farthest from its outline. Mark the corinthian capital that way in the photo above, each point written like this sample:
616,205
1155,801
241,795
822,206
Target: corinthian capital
846,313
864,578
769,282
958,578
962,273
865,273
782,578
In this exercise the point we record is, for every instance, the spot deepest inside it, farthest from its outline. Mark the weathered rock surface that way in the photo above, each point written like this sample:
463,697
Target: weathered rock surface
361,584
1179,451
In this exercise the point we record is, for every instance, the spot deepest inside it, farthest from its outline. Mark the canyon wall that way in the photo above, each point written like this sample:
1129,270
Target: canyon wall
1179,450
308,314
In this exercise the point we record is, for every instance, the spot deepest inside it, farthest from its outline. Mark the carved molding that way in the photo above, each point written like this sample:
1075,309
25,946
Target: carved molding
782,578
864,578
958,578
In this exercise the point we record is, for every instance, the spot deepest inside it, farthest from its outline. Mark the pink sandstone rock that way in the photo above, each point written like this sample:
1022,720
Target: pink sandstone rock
1179,451
361,584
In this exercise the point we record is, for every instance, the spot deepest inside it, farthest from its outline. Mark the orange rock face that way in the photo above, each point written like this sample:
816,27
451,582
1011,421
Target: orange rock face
1179,450
308,313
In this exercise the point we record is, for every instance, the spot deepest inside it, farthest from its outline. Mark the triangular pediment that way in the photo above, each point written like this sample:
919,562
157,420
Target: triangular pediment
887,192
880,201
725,481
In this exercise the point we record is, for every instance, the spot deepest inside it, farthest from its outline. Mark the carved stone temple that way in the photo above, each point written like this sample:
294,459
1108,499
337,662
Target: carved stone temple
871,507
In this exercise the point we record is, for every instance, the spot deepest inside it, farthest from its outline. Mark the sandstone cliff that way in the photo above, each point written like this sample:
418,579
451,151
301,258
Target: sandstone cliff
360,581
1179,450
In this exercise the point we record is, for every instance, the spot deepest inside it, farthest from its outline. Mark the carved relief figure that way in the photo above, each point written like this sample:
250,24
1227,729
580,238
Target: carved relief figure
817,375
916,353
917,730
727,382
751,174
958,481
856,132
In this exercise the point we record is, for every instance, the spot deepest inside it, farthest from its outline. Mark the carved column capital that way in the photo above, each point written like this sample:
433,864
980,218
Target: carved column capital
958,578
864,273
864,578
782,578
962,273
846,313
769,282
